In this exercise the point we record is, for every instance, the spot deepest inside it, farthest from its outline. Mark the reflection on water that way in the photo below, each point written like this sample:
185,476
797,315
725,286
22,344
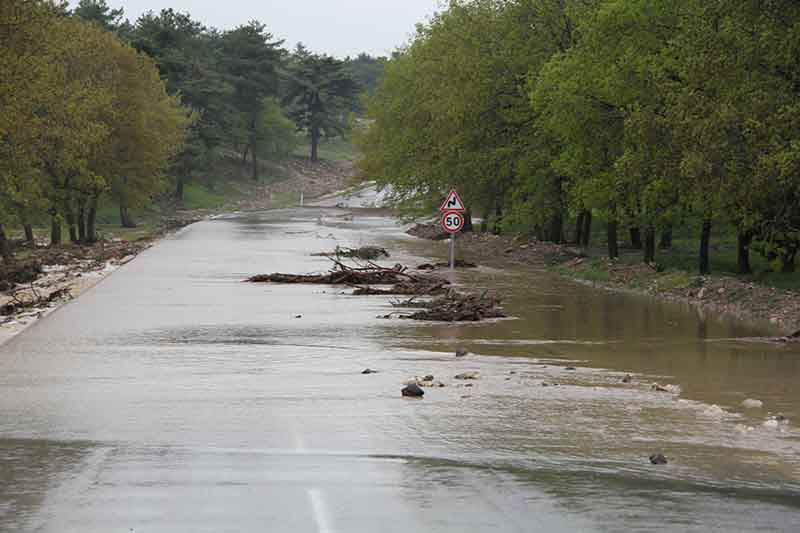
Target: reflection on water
217,405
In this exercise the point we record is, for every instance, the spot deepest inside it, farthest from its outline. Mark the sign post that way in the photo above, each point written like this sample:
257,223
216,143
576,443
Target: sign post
453,221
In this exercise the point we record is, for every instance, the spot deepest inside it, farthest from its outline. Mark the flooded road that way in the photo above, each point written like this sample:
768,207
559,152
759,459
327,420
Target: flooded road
173,397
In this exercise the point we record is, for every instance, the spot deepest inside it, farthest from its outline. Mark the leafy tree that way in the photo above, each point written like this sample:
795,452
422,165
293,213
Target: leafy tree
252,61
319,95
189,58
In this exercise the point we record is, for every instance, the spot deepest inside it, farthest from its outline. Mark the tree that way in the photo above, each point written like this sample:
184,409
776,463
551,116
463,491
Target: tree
98,11
319,96
252,60
189,58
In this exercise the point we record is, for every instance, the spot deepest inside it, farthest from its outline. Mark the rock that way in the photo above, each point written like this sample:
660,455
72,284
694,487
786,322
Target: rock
298,316
713,411
428,378
571,368
776,421
701,294
432,384
627,379
658,459
672,389
752,404
468,376
461,352
369,371
513,373
413,391
509,251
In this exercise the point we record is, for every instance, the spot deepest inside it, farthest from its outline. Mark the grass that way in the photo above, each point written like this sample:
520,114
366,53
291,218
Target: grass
682,260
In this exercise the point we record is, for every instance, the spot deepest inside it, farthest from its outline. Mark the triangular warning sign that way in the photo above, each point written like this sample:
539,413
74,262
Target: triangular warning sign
453,203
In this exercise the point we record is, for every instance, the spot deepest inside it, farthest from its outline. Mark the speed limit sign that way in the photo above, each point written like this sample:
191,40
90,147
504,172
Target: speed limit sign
452,222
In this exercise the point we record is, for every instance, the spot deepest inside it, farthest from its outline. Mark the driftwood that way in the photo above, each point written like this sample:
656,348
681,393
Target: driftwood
399,281
366,253
453,307
450,307
21,301
460,263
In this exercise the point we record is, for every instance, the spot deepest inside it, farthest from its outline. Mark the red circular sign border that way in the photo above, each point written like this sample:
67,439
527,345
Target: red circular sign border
451,213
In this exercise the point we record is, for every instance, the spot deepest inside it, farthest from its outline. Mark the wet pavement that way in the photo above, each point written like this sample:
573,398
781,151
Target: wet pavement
174,397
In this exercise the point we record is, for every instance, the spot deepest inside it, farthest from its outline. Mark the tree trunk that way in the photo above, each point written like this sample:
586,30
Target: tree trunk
613,244
636,239
468,227
579,229
244,154
743,261
650,245
498,213
5,247
29,237
55,232
315,144
254,155
73,229
788,260
556,228
705,243
179,190
125,218
666,239
91,222
587,228
82,224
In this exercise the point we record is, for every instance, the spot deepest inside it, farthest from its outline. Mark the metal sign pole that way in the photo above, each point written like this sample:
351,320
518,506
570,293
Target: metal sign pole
452,251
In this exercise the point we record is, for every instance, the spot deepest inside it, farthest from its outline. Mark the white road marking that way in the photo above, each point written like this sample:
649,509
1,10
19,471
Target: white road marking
320,513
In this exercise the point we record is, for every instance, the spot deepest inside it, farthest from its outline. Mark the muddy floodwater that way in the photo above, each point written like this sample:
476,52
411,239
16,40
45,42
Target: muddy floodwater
172,397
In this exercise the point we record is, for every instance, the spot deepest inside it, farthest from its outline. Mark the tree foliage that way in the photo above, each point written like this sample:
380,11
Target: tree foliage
647,114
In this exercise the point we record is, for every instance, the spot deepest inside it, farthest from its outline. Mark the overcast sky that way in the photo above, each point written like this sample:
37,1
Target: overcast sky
337,27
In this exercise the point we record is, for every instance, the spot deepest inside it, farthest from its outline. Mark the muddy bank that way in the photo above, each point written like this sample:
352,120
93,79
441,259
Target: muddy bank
773,308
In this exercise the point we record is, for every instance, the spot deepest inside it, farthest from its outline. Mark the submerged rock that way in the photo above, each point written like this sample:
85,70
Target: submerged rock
571,368
658,459
776,421
369,371
627,379
672,389
461,352
428,378
468,376
432,384
752,404
413,391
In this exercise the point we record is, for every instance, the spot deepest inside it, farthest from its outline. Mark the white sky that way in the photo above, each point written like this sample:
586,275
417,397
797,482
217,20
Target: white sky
336,27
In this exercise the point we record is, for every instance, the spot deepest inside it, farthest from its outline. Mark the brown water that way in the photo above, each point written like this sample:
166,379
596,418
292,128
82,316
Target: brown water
173,397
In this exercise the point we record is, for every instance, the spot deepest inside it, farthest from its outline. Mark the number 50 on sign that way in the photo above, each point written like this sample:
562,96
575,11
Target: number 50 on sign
452,222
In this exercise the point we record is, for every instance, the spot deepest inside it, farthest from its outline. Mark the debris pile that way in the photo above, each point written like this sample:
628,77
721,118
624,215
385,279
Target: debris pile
432,232
375,280
456,307
365,253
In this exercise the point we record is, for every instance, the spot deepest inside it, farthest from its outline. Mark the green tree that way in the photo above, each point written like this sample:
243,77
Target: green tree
319,96
252,61
99,11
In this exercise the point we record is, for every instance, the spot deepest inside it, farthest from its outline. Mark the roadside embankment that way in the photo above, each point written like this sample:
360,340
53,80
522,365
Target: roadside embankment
740,298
